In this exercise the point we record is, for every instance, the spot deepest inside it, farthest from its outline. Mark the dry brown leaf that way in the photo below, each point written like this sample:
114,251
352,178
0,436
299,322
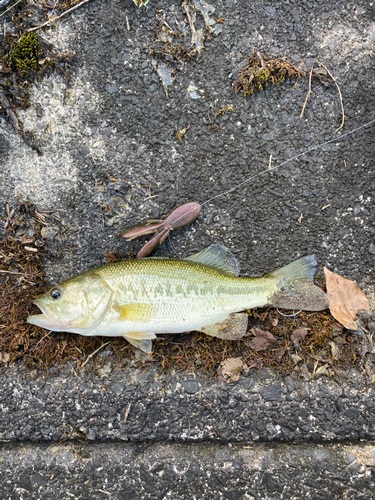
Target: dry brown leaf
295,358
262,339
299,334
4,357
345,299
258,344
230,369
257,332
335,350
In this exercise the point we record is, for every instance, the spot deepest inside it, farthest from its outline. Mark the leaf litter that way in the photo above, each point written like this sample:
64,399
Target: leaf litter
270,341
173,48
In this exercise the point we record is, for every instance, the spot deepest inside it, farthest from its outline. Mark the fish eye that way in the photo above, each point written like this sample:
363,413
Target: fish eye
55,293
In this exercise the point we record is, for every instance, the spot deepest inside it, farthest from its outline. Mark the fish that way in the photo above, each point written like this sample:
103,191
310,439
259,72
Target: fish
140,298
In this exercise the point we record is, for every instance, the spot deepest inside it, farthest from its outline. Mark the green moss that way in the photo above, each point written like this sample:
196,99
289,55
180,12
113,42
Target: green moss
262,71
25,54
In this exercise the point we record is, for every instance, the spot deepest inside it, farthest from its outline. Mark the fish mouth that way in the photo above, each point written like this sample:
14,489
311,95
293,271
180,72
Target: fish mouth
46,320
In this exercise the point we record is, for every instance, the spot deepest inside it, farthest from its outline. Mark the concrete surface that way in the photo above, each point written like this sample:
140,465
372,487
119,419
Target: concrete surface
130,472
114,121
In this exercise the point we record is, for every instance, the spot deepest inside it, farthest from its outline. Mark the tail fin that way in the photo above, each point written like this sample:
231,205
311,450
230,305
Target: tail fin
300,270
297,291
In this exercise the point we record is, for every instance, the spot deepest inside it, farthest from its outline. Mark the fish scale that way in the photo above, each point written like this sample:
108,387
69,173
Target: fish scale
206,295
143,297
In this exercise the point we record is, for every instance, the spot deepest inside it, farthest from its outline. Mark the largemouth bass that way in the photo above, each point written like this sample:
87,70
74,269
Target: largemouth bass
140,298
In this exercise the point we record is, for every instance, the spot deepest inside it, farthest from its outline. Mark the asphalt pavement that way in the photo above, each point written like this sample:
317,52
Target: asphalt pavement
112,158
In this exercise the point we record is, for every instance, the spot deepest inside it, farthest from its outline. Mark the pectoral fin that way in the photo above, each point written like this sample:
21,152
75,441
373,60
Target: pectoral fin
135,312
142,340
232,328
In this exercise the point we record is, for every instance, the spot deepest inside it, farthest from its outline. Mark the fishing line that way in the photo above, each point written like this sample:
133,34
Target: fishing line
287,161
335,139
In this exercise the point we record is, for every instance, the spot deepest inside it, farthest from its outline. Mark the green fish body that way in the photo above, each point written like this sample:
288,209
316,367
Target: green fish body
139,298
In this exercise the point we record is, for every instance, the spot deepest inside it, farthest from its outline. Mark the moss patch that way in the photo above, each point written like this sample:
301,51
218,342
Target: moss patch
262,71
25,54
25,59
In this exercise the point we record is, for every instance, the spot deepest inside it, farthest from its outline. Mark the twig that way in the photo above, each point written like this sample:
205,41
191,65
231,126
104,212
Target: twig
192,27
5,11
57,17
54,6
127,23
14,272
338,88
270,163
308,93
163,21
127,409
43,338
92,354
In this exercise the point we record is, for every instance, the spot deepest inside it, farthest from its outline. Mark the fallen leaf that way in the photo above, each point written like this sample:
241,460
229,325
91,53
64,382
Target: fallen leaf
258,344
262,339
335,350
345,299
257,332
230,369
295,358
181,133
299,334
274,321
280,353
4,357
321,370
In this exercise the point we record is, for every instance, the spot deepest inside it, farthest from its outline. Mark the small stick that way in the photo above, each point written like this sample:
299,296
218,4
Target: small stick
54,7
270,163
57,17
127,23
92,354
43,338
127,409
338,88
9,8
14,272
308,93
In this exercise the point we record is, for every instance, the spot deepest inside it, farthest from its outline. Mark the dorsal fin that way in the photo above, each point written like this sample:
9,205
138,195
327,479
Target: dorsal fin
219,258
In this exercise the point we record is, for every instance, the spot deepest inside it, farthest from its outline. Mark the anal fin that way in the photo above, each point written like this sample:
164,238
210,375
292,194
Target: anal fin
142,340
232,328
